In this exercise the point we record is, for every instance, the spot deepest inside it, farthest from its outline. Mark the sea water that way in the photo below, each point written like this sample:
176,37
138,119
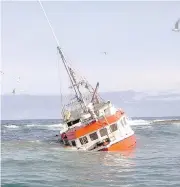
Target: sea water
32,157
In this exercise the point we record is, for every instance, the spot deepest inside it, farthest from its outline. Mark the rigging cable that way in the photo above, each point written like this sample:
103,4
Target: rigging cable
57,45
49,23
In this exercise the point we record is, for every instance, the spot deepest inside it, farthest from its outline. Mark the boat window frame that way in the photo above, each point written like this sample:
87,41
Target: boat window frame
114,124
104,134
82,141
95,135
73,122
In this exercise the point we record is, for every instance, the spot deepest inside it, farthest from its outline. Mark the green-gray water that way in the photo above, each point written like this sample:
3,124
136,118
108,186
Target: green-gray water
31,157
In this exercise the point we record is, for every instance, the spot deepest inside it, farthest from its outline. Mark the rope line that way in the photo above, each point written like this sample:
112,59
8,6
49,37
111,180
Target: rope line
49,22
55,37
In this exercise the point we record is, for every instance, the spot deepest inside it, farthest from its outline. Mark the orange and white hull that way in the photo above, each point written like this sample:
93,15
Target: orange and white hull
123,145
89,122
112,133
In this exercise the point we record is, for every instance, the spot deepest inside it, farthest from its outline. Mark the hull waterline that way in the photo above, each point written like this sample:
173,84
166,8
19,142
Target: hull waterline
124,145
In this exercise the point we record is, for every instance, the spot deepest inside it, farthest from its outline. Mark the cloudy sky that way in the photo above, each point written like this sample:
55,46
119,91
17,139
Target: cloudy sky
143,51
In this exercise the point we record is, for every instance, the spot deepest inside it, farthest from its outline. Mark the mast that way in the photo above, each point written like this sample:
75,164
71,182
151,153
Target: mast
71,73
72,78
95,92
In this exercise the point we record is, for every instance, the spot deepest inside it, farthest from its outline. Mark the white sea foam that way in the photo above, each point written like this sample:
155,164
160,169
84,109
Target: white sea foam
162,120
139,122
35,141
177,123
152,122
31,125
12,126
55,126
45,126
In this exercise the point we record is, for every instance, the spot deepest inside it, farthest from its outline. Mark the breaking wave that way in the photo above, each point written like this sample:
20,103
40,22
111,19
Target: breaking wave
11,126
55,126
31,125
139,122
34,126
45,125
166,120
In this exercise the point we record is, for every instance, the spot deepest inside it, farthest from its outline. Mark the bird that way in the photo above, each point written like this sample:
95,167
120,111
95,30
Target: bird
176,27
104,53
14,91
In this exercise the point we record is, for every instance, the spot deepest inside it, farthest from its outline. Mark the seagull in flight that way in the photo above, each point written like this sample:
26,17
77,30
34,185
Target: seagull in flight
104,53
14,91
177,25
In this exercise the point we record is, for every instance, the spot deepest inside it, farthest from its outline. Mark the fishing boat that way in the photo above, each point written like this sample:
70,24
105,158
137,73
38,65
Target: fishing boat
89,122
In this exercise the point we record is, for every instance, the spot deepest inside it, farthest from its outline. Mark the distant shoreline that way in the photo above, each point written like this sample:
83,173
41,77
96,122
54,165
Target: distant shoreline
168,120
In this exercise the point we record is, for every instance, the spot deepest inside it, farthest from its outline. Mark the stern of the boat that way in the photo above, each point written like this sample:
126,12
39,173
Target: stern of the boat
123,145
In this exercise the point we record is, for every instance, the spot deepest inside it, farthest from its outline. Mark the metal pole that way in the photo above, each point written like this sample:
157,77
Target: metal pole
66,67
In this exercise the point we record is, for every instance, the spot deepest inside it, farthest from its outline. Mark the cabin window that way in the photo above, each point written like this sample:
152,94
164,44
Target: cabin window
73,122
83,140
113,127
73,143
93,136
103,132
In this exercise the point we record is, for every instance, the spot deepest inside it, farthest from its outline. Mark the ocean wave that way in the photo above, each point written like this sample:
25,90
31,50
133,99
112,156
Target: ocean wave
34,141
170,119
31,125
11,126
177,123
45,125
139,122
55,126
167,121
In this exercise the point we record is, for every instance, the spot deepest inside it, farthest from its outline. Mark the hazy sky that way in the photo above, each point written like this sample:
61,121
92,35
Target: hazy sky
143,52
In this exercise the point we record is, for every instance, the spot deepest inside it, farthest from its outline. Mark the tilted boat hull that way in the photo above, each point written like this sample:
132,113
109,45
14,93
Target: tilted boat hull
124,145
89,122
